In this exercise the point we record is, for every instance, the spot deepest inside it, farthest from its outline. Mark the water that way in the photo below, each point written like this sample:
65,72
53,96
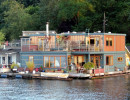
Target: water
114,88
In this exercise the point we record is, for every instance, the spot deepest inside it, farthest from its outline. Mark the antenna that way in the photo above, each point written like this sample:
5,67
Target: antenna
104,23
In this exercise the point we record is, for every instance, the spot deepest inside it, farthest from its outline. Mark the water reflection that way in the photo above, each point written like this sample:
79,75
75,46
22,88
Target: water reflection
114,88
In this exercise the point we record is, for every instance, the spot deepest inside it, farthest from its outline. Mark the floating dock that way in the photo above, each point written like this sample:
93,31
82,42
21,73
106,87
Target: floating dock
60,76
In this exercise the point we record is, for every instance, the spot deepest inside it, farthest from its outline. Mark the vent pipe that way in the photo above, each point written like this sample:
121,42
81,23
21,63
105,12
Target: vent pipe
47,29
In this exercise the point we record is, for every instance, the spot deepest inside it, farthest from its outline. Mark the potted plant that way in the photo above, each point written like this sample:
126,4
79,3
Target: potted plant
14,67
89,66
30,66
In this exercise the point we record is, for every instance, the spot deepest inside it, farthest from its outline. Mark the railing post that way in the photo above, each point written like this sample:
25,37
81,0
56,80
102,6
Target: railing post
79,45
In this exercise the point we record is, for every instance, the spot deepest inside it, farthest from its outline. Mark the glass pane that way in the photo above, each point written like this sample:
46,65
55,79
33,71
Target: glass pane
31,58
27,41
51,61
111,43
23,42
63,62
107,43
46,61
3,60
107,60
57,61
9,60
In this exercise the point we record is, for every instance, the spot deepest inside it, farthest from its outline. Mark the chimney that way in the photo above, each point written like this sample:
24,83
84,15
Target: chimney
47,29
4,46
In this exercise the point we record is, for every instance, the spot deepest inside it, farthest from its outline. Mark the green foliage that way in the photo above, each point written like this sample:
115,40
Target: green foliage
47,64
64,15
41,67
88,65
30,66
2,37
13,65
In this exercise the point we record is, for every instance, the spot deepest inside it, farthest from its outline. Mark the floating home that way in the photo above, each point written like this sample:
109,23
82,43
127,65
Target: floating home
58,51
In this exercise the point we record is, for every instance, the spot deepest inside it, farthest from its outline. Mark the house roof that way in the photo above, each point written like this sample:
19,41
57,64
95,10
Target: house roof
9,51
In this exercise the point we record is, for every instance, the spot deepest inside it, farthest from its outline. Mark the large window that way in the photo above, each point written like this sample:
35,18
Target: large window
109,60
54,61
108,41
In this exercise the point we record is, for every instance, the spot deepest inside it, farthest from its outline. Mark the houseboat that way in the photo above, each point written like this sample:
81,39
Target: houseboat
57,51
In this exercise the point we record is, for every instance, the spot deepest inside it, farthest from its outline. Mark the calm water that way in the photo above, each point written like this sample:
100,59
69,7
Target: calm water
114,88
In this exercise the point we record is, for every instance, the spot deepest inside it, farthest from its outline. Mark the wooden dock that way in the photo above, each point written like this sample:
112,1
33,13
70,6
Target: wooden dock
56,76
31,76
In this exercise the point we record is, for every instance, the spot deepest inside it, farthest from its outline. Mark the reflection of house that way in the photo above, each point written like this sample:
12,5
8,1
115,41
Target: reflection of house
105,50
7,56
127,55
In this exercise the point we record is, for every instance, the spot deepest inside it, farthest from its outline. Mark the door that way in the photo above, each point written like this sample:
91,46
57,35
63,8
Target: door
78,59
95,60
40,44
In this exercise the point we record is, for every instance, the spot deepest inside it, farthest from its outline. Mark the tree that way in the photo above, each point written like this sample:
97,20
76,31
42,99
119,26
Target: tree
74,13
16,20
2,37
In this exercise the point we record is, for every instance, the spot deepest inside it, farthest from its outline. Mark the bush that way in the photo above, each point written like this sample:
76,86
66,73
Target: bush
13,65
88,65
30,66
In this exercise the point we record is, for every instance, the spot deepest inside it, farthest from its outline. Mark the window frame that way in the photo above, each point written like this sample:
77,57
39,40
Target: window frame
54,62
120,59
32,59
109,42
110,58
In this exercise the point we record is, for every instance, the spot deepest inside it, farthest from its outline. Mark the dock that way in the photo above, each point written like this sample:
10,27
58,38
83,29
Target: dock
61,76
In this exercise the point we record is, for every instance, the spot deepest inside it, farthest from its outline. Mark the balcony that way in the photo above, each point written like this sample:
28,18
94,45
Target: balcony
66,46
11,45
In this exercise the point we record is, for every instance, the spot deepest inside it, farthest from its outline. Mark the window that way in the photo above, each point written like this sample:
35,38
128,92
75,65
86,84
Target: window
120,59
91,41
31,58
109,60
57,61
3,60
108,41
9,59
54,61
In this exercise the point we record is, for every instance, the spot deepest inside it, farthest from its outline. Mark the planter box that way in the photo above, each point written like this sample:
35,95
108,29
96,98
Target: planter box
49,71
59,71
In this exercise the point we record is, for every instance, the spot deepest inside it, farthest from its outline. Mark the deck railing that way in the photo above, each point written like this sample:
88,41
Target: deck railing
16,45
66,46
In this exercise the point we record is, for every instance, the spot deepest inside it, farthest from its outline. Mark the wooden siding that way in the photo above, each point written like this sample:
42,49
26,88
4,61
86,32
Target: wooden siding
118,43
109,48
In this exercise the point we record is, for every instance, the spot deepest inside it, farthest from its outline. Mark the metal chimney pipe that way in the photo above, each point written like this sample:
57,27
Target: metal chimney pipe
47,29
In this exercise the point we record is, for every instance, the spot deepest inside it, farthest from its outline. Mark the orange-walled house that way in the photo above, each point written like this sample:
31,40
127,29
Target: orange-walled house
54,51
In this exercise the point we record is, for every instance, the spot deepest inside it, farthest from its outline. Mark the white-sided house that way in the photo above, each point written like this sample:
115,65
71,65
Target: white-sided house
8,56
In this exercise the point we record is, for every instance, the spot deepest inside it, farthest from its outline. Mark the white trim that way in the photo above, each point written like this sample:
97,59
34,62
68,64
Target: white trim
127,49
